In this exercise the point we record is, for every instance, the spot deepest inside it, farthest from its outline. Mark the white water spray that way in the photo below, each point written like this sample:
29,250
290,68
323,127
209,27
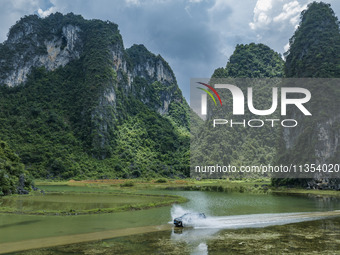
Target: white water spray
250,220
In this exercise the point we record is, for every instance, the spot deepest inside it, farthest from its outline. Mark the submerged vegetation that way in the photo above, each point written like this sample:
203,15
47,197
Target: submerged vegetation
300,238
75,198
80,203
100,196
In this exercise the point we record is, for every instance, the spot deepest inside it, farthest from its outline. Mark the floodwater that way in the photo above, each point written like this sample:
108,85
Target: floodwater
224,211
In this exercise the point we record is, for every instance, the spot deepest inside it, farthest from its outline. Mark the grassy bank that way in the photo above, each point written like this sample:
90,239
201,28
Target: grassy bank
117,195
301,191
82,200
135,185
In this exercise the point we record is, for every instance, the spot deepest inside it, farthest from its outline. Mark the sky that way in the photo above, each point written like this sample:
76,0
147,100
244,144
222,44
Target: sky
194,36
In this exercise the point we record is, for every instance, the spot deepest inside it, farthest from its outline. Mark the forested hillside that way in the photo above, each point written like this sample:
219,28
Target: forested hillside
252,61
241,145
14,179
75,104
314,53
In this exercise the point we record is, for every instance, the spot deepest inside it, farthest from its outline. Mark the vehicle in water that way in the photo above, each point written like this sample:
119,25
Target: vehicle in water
188,219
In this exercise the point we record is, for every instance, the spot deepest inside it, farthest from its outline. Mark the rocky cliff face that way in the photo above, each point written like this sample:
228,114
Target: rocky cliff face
34,42
315,53
36,52
97,87
317,142
328,139
67,45
153,69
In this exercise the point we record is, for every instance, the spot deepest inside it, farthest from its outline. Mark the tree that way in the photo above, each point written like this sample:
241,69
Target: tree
13,177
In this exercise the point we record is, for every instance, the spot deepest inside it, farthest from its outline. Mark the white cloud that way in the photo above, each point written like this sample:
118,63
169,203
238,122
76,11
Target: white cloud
47,12
281,12
261,18
263,5
290,11
219,5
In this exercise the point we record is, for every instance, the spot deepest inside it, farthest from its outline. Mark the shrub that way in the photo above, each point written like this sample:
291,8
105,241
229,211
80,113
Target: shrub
127,184
161,180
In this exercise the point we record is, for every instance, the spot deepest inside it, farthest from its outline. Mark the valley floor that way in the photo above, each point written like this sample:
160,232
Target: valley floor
62,200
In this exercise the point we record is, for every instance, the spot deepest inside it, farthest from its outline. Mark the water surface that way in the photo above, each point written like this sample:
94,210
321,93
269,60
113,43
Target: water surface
15,227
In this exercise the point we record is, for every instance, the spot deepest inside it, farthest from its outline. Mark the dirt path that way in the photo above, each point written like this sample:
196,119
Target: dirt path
70,239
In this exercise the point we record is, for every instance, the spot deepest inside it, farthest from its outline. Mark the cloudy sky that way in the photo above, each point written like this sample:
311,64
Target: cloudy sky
194,36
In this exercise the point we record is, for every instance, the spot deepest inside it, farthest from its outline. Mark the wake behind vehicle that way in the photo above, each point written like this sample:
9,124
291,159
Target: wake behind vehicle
188,219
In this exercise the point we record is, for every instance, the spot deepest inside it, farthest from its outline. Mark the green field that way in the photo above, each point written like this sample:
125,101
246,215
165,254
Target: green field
73,200
133,186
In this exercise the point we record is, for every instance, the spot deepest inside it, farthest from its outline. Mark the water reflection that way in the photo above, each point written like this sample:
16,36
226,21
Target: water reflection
196,239
21,223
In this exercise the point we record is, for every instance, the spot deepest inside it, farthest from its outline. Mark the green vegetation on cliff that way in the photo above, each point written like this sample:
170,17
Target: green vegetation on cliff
315,46
14,179
240,145
252,61
105,112
314,53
